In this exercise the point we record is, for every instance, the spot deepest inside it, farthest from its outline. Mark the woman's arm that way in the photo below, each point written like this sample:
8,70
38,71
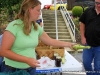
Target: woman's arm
53,42
7,42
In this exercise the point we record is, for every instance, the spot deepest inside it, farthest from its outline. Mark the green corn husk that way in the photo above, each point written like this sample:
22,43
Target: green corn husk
78,46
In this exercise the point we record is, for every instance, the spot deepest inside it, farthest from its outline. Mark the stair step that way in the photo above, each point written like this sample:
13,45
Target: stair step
66,40
63,37
67,36
59,34
53,27
59,19
50,11
53,30
48,14
50,26
53,20
59,24
49,30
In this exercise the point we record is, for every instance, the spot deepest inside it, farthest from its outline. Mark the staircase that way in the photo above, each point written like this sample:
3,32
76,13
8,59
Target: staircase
50,26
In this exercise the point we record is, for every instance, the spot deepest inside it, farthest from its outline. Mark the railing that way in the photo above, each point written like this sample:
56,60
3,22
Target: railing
69,22
56,20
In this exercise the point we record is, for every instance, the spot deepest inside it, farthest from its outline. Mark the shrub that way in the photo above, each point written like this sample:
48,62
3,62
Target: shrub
76,22
77,11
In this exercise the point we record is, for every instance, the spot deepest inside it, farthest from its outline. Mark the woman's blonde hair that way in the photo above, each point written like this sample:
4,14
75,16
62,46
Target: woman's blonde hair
24,14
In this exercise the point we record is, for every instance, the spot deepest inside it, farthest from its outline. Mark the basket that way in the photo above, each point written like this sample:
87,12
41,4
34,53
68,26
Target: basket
48,51
45,52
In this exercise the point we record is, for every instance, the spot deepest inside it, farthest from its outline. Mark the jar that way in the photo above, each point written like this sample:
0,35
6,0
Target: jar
58,61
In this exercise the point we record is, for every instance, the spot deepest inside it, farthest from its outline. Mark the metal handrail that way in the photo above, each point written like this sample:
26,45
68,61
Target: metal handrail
67,18
70,24
56,20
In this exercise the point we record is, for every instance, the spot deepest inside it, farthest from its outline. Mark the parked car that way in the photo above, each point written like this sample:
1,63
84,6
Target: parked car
59,5
47,6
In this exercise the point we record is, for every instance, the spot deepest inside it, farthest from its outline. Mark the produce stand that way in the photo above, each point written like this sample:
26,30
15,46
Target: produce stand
71,65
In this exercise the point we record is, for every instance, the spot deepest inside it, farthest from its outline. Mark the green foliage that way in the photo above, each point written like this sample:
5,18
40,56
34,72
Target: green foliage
3,17
16,8
8,9
76,22
77,11
8,4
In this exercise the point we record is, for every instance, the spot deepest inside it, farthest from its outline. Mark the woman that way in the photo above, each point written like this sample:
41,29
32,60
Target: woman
21,38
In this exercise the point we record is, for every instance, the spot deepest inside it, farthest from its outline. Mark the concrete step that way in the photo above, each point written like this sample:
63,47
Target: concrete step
50,30
60,23
52,14
50,11
50,26
54,30
66,40
59,33
53,19
53,24
63,37
53,27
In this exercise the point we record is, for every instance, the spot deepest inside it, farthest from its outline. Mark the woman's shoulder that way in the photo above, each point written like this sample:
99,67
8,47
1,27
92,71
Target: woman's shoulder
17,21
16,24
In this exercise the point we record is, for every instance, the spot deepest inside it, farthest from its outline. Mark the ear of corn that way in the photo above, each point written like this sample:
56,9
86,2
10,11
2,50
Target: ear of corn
63,59
78,46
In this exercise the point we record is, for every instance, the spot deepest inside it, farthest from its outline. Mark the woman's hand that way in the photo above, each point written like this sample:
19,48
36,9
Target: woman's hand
33,62
70,45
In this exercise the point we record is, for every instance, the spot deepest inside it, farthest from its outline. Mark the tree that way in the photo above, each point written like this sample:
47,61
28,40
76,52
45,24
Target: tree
10,6
70,4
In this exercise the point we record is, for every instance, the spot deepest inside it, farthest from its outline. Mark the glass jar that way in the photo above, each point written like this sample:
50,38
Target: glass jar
58,61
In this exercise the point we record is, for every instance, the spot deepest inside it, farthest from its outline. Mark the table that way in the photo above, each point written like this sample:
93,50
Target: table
70,65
